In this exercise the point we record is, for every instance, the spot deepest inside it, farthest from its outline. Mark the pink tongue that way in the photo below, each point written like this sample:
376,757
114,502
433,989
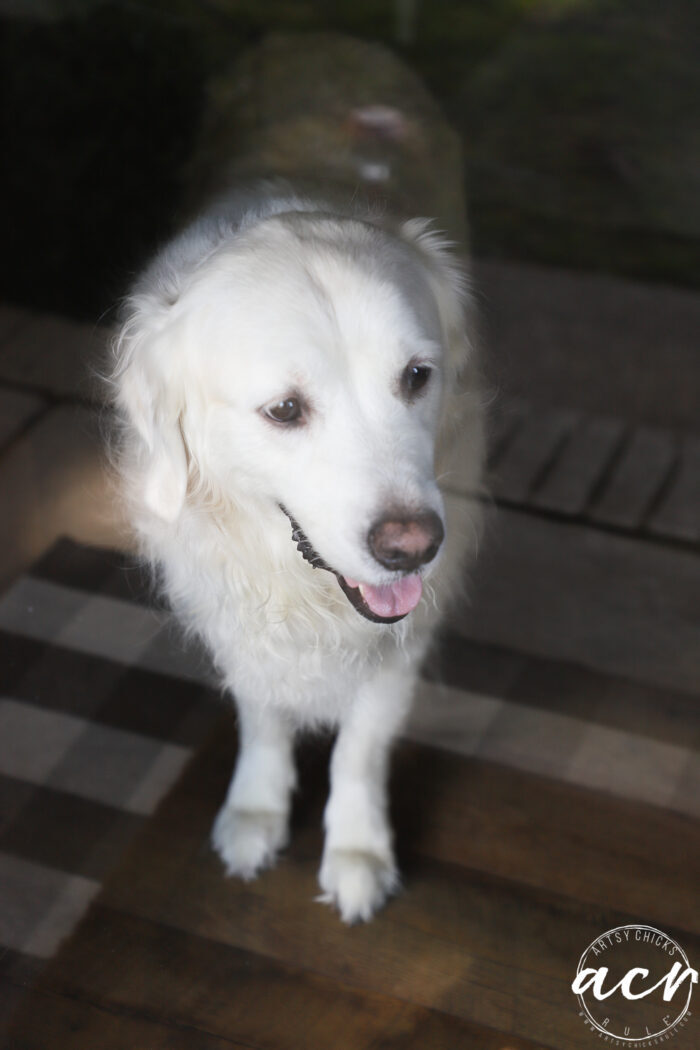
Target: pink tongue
393,599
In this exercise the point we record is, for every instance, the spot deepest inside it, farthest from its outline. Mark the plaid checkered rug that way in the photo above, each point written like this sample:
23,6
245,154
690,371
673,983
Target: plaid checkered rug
101,707
100,710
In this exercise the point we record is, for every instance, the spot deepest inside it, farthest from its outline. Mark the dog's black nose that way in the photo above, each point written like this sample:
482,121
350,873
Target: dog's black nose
405,542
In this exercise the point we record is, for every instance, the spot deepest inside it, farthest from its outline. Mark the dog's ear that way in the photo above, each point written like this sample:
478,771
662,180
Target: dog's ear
448,282
150,393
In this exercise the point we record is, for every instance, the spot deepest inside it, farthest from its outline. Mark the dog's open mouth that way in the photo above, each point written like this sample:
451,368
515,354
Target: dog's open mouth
385,604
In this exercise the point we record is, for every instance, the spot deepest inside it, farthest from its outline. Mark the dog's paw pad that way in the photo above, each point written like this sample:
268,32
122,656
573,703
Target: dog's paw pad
247,841
356,882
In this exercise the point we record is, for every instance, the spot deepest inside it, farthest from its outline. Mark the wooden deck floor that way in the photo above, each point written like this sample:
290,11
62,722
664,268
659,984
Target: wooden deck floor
548,790
548,793
508,877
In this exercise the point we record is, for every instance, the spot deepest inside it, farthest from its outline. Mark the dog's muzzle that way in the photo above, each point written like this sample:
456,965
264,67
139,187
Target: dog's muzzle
397,544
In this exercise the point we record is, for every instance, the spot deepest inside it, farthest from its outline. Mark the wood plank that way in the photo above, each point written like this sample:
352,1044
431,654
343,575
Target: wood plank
11,319
679,513
550,835
534,446
637,478
504,418
137,966
19,968
59,487
607,602
13,998
60,1023
18,973
599,849
592,342
16,410
508,877
567,487
51,353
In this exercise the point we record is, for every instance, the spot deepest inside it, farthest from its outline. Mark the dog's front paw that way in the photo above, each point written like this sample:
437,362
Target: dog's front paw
356,882
248,841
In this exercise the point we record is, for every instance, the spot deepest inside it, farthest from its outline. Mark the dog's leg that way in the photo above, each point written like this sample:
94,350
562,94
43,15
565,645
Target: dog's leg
358,871
252,825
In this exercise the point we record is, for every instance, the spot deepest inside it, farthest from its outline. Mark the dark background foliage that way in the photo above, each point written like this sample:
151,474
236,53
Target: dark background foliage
580,121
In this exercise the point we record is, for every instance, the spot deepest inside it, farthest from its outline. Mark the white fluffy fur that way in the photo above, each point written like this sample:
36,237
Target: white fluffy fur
245,306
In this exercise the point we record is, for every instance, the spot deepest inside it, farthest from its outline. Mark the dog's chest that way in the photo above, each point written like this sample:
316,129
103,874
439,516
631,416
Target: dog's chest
286,649
313,683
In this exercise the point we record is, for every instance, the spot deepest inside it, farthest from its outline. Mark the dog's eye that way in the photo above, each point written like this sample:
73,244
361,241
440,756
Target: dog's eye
286,411
413,380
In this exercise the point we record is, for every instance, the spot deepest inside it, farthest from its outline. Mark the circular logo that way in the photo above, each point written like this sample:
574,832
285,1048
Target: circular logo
634,985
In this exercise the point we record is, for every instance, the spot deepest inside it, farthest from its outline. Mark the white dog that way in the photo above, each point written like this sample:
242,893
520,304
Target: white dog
291,383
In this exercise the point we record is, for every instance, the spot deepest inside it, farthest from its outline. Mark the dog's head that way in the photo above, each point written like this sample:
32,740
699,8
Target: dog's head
306,362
